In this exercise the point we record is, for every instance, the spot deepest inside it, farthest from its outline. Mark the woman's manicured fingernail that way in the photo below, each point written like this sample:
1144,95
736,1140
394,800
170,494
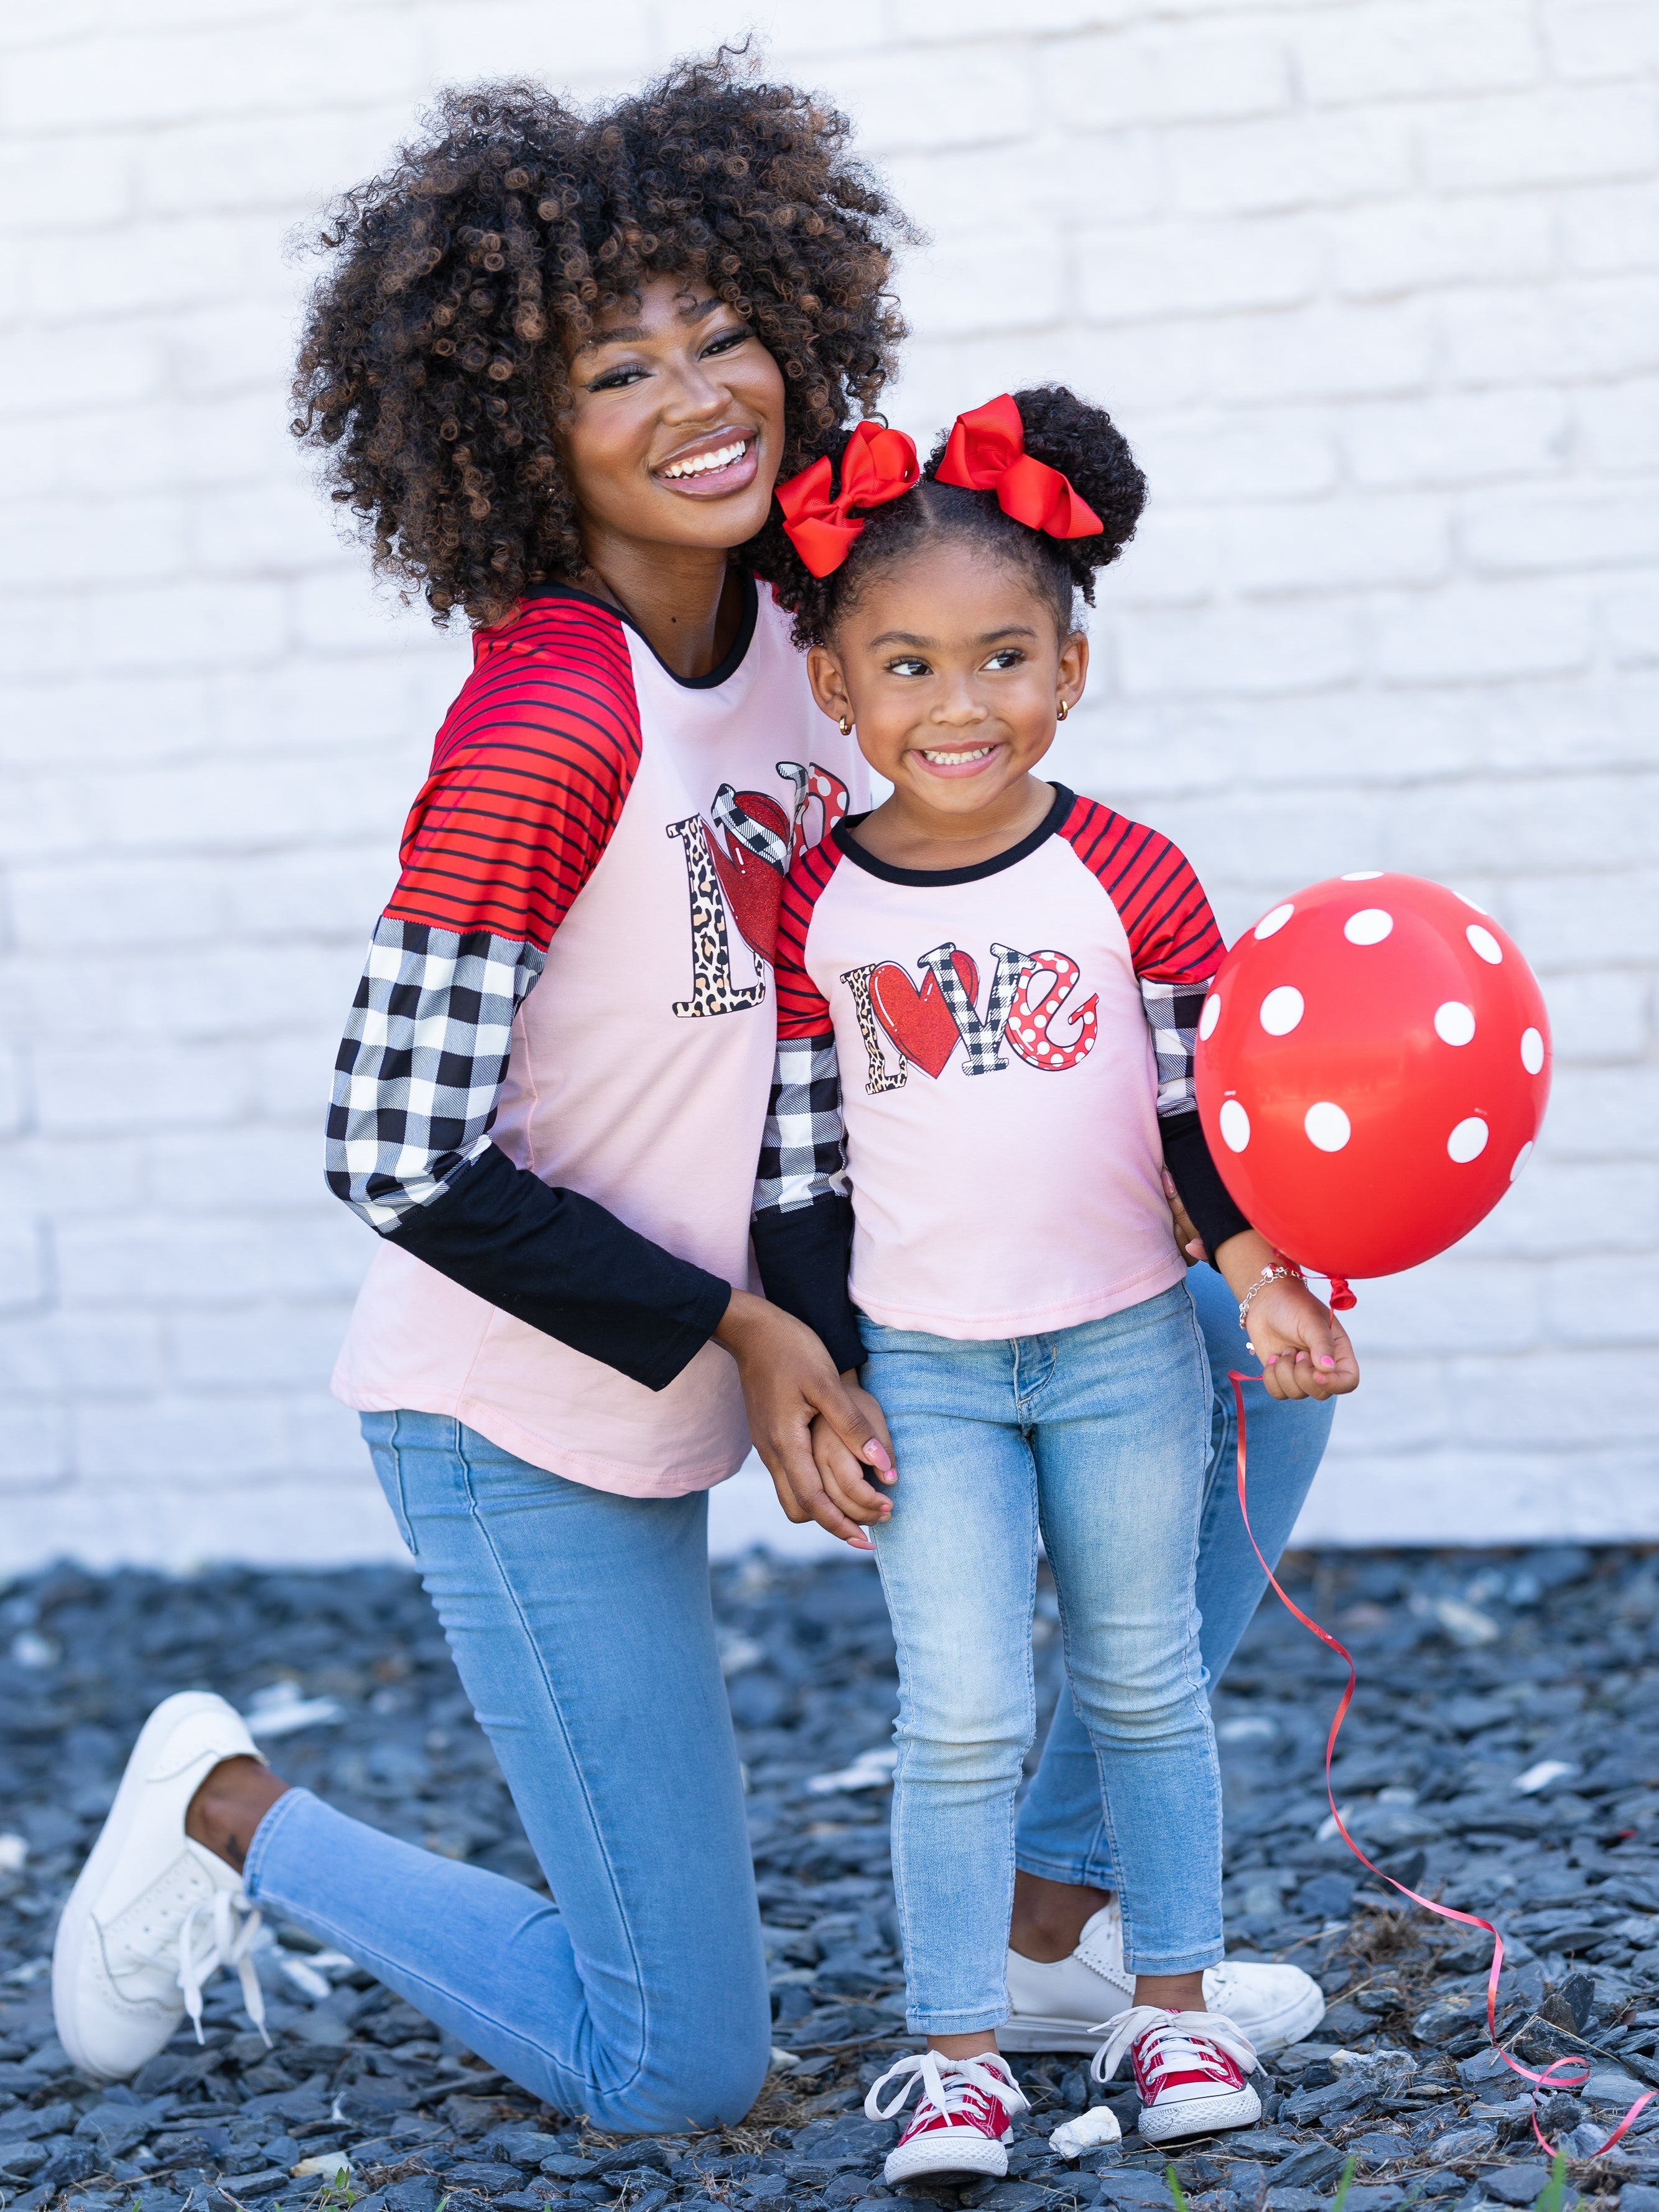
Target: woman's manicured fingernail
875,1455
1327,1361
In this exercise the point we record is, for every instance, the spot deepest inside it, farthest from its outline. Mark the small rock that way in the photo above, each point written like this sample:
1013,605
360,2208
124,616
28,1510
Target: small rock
1314,2163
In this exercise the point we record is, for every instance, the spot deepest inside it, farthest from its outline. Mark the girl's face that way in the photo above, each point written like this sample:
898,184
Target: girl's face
950,665
675,431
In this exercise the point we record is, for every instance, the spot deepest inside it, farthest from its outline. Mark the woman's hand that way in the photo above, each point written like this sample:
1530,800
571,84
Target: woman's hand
788,1386
1304,1348
1187,1238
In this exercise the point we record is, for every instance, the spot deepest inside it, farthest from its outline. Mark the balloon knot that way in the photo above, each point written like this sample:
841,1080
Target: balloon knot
1341,1297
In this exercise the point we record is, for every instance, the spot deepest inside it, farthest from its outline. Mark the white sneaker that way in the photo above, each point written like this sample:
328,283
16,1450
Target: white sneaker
1074,2003
962,2122
153,1916
1189,2070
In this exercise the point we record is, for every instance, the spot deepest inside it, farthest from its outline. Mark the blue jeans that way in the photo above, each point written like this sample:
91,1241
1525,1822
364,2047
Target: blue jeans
581,1625
1099,1436
1061,1831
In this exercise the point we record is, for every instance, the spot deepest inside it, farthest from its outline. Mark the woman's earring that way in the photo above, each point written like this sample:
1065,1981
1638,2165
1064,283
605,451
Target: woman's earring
844,724
1062,711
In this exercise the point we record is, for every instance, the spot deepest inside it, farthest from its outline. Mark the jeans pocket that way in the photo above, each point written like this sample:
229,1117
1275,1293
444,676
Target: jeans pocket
380,1435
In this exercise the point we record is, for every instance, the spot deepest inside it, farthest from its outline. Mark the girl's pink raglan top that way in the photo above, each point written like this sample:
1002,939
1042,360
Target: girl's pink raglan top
980,1073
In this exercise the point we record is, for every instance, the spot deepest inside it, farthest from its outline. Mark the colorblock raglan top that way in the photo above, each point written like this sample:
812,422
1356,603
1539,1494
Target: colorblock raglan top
554,1079
980,1073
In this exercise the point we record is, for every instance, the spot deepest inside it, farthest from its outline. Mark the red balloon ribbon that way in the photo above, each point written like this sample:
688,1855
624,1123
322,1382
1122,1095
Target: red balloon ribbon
986,452
1552,2076
878,464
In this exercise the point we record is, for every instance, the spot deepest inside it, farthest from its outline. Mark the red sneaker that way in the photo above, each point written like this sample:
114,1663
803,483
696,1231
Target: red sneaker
1189,2069
962,2122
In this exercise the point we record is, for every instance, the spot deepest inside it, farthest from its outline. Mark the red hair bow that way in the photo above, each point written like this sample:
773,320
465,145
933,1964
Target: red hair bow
986,452
878,465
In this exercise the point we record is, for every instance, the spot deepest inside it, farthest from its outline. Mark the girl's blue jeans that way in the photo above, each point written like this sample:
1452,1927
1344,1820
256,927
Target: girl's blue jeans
1093,1437
581,1627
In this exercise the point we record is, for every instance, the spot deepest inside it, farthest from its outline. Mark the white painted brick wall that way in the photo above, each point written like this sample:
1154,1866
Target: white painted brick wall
1372,284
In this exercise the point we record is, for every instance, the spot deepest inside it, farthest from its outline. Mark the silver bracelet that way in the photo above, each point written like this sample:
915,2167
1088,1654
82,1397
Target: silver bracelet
1275,1273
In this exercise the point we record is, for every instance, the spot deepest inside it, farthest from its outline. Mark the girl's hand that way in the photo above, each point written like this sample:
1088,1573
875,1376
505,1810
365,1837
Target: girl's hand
1304,1348
843,1476
789,1383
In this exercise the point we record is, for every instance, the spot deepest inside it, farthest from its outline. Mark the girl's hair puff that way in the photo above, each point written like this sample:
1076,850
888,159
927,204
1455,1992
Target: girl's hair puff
1068,433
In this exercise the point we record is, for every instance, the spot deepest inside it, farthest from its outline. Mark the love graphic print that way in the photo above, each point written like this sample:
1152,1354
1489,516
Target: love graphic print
925,1023
735,865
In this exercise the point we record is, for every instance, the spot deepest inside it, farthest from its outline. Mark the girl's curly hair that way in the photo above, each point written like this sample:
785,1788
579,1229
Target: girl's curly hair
433,365
1080,440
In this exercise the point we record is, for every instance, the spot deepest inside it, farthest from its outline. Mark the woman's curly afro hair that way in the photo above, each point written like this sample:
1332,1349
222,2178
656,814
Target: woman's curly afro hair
433,366
1081,440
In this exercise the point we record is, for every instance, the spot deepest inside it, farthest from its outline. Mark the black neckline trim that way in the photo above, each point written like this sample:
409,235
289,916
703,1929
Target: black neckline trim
941,878
724,668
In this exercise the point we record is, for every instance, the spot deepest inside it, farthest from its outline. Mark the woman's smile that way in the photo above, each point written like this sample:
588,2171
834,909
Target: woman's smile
723,460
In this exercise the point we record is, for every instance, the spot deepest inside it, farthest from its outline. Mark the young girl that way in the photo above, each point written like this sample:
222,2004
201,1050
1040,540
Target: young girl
988,990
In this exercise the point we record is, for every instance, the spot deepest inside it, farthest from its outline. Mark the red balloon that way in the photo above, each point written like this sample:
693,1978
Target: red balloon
1373,1065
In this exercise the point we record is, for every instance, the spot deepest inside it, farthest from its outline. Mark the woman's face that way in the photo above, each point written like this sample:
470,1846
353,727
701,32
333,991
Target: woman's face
675,431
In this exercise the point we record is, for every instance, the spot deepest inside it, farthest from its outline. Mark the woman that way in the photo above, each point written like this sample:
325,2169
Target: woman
557,364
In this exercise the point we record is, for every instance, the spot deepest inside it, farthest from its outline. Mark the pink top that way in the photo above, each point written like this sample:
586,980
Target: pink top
574,976
1001,1041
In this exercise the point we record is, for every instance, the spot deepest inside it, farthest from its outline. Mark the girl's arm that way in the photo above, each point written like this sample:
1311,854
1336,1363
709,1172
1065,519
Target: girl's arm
1177,948
802,1228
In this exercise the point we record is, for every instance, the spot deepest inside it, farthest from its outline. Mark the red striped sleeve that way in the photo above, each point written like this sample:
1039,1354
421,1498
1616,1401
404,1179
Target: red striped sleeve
1172,934
528,775
803,1011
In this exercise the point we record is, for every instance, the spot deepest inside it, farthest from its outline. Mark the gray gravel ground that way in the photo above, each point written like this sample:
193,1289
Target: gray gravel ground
1504,1753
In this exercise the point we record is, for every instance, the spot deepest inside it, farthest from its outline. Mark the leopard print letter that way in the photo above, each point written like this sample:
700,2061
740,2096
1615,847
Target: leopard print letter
713,991
881,1077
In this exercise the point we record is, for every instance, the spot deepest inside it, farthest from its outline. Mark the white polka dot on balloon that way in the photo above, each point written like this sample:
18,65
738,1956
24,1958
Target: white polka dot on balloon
1454,1022
1521,1160
1467,1140
1281,1009
1369,926
1235,1125
1271,924
1468,902
1485,944
1362,875
1211,1015
1328,1125
1532,1051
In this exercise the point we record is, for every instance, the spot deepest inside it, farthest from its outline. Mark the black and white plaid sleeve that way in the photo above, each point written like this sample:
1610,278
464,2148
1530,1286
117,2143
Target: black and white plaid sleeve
1172,1011
803,1210
804,1145
1172,1014
421,1064
416,1088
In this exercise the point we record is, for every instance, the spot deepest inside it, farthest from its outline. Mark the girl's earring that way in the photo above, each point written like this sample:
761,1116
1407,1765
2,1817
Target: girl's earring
844,724
1062,711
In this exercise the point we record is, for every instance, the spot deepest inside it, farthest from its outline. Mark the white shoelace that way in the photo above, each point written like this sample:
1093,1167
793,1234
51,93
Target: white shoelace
227,1944
947,2084
1179,2042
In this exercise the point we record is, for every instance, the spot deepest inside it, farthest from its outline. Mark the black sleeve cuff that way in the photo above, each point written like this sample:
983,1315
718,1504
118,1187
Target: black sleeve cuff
567,1267
804,1255
1208,1202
